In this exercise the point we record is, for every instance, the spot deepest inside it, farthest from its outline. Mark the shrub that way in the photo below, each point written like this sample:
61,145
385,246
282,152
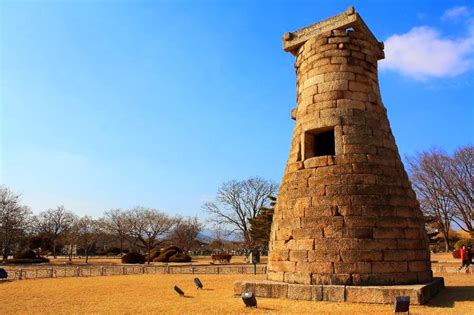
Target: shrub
27,254
133,258
171,251
155,252
172,247
222,257
21,261
113,251
466,242
161,259
165,256
180,257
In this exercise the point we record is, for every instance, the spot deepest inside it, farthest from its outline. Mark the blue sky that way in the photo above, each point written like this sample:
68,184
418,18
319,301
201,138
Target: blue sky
112,104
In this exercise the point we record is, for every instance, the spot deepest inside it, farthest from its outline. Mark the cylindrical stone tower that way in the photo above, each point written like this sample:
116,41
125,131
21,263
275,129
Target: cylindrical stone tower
346,212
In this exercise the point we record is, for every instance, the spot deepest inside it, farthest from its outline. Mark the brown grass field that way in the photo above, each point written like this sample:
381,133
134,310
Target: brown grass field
154,294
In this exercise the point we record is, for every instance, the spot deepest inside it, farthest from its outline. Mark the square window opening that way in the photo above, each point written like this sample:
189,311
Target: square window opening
319,143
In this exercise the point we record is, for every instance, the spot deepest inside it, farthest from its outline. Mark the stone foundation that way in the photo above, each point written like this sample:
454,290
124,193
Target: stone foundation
418,293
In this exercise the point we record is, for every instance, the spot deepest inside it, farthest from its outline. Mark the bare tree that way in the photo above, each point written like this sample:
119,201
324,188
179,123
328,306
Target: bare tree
116,221
15,218
147,226
88,230
459,184
185,231
55,222
427,172
71,238
238,201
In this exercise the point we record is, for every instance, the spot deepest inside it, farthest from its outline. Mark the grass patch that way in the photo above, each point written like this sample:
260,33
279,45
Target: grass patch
154,294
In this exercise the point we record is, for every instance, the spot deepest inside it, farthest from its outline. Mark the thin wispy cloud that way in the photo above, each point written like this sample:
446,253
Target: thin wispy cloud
456,13
423,52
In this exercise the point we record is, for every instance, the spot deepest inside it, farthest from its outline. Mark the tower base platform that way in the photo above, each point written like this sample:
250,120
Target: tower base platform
418,293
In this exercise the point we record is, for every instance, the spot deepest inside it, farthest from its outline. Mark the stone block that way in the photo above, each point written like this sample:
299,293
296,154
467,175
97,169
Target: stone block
313,80
358,96
334,190
330,68
316,162
334,293
359,87
377,244
399,255
349,268
333,231
390,233
359,149
275,275
325,256
389,266
309,233
327,96
318,211
350,104
349,210
282,266
315,267
418,266
336,53
332,76
300,292
411,244
359,221
364,233
305,244
337,85
297,277
321,222
377,200
395,222
351,256
279,255
412,233
298,255
283,234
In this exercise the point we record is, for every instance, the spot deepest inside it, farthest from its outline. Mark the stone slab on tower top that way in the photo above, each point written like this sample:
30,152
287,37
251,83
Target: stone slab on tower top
348,19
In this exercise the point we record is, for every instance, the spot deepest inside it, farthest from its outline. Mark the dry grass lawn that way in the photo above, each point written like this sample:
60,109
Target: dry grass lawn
154,294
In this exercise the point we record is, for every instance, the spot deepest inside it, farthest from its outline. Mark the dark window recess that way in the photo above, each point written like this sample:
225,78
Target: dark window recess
319,143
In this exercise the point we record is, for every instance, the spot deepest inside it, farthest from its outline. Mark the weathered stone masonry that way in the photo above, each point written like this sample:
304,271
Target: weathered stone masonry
346,213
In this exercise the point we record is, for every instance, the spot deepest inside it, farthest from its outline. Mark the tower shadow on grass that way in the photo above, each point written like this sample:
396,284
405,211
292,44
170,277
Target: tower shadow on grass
451,294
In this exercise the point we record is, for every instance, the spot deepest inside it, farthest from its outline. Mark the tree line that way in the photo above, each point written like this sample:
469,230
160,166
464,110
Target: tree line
141,229
444,185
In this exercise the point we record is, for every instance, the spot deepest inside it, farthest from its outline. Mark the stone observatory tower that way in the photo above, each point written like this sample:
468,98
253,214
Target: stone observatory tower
346,214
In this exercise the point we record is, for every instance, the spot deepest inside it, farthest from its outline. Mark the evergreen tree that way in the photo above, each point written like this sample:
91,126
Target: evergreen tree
260,226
